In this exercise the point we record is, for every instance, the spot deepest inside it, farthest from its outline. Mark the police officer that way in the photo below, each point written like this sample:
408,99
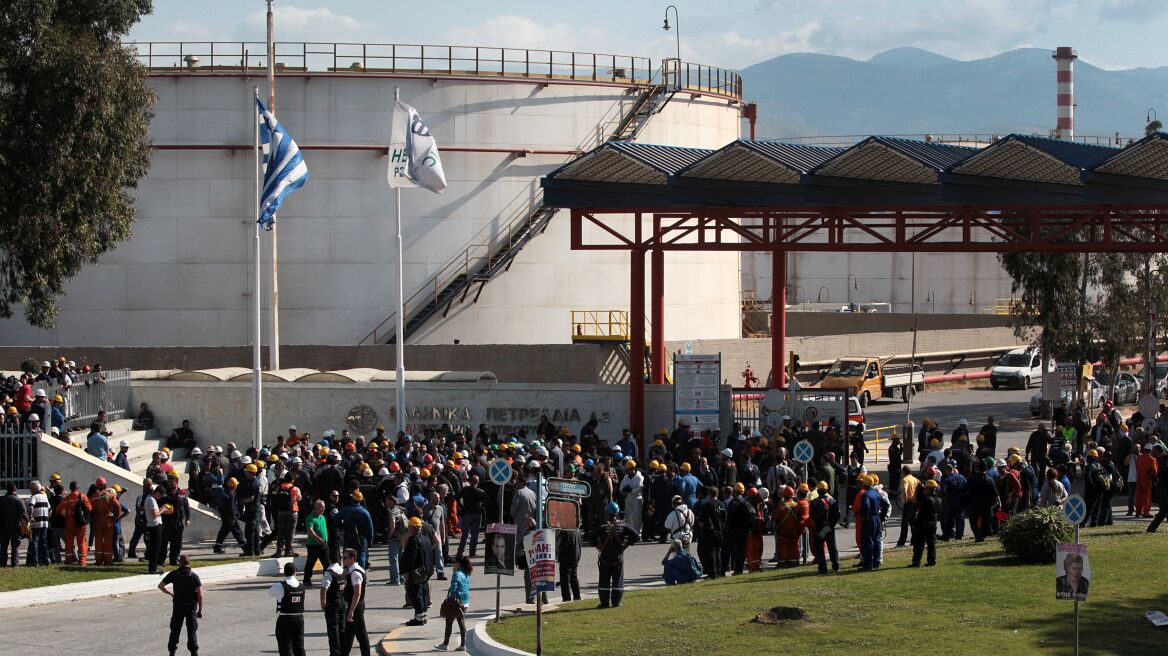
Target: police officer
289,596
333,606
355,605
187,606
611,540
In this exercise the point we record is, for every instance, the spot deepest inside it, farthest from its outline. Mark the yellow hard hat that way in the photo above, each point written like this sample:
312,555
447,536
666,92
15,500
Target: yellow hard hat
172,474
739,488
117,488
259,464
630,464
803,487
1013,449
55,477
167,509
980,438
11,410
663,431
931,484
166,449
57,398
873,479
658,443
576,448
1092,454
231,482
685,467
762,441
653,465
415,522
273,458
357,496
821,486
1014,459
251,469
934,442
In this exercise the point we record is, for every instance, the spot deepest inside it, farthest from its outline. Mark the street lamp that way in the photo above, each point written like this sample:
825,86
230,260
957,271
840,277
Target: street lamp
676,33
852,278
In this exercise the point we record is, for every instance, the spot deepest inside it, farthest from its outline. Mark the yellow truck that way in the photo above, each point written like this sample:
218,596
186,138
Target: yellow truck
868,379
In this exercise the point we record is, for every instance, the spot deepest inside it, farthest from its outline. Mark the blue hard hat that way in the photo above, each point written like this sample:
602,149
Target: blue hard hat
613,508
589,462
324,442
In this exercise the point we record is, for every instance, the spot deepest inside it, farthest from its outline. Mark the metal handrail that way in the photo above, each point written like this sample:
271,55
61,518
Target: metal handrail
600,324
879,434
956,138
429,59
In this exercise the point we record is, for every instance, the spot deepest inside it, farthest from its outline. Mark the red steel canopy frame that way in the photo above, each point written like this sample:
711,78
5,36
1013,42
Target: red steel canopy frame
1039,229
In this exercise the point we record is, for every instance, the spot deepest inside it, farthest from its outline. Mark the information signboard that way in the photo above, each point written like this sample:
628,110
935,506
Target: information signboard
696,391
500,558
541,558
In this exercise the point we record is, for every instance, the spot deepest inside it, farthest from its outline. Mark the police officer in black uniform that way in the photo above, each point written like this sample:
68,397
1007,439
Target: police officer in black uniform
355,583
187,606
289,596
333,606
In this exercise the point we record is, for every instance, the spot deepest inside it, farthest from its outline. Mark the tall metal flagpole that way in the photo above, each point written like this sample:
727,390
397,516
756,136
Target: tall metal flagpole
399,299
257,338
274,354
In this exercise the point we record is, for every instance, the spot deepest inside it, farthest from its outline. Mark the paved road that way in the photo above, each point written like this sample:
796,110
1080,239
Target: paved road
240,616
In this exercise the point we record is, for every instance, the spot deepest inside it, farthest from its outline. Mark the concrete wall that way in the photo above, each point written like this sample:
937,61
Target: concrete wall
221,412
544,363
185,278
950,280
75,465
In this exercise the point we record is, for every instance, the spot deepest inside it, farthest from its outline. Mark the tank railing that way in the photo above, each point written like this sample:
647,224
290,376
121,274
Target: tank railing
700,78
956,138
421,58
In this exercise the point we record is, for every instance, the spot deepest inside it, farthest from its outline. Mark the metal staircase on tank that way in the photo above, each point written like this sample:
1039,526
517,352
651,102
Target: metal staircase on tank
479,263
612,327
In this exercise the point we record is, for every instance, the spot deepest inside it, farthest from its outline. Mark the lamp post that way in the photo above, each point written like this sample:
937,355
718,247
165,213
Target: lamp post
855,284
677,34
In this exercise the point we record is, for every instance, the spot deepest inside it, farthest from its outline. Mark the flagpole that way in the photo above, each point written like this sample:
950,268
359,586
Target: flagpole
274,355
257,337
399,309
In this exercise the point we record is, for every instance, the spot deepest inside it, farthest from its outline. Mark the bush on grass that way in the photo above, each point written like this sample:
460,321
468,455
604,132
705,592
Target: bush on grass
1032,535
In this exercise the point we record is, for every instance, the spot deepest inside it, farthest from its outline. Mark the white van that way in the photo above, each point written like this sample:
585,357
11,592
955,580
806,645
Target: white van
1019,368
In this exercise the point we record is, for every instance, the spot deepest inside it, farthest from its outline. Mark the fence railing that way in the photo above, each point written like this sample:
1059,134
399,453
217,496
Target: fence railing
700,78
877,439
93,392
977,139
18,457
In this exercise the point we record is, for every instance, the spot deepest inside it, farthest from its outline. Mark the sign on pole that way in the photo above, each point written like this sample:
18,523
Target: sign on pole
803,452
541,558
500,471
500,558
1075,509
1072,572
696,391
562,514
568,487
1067,376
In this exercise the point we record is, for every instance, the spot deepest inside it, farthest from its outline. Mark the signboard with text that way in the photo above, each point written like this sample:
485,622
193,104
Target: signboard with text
696,391
540,546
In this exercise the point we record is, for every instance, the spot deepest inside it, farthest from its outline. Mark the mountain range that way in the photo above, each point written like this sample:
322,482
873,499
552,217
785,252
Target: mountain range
914,91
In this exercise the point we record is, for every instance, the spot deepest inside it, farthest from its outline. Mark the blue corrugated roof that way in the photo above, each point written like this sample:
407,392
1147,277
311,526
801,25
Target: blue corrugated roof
798,157
934,155
1078,155
667,159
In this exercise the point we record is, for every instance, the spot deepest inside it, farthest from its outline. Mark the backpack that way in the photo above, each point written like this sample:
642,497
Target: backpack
281,499
81,514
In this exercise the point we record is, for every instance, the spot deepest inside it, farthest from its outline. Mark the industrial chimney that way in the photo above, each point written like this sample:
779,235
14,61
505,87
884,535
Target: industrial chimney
1065,58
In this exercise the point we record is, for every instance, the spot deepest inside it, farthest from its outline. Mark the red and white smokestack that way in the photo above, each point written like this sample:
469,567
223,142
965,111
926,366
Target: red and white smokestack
1065,61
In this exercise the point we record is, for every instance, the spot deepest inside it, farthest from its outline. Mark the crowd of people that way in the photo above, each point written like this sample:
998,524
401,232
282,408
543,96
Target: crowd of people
426,499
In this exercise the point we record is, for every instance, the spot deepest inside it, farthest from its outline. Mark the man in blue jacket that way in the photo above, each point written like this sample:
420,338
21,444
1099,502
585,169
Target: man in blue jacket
357,524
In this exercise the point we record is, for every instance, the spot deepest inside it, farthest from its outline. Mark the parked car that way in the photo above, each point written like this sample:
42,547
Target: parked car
1159,381
1019,368
1096,395
1127,386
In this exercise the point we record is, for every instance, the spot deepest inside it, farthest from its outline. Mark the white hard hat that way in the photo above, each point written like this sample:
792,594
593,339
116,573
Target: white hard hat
164,455
45,364
54,431
40,392
292,427
728,453
34,416
235,455
246,460
125,445
296,460
384,471
194,452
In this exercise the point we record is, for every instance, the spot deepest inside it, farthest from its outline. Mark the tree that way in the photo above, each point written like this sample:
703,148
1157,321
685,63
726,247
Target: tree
1047,310
75,111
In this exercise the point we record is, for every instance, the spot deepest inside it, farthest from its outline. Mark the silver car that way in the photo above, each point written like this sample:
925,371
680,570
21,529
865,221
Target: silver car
1096,395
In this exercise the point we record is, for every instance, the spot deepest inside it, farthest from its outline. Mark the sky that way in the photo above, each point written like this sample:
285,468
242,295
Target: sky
725,33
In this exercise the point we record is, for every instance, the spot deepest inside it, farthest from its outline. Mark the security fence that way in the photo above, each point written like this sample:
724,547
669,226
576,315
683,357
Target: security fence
93,392
18,456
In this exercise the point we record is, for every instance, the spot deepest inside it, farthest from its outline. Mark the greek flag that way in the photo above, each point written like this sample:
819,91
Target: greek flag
284,167
413,152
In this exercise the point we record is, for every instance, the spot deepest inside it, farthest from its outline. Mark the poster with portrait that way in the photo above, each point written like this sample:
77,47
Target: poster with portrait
1072,572
500,557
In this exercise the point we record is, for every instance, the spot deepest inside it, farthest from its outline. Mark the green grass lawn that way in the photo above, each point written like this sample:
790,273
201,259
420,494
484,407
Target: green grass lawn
976,600
22,578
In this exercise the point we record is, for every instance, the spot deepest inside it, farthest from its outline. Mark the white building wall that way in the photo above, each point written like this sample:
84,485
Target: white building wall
185,276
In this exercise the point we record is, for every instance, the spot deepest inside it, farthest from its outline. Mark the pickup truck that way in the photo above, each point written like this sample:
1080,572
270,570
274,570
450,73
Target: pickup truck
868,379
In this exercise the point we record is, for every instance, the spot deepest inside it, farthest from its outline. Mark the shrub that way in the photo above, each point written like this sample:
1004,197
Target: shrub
1032,535
30,366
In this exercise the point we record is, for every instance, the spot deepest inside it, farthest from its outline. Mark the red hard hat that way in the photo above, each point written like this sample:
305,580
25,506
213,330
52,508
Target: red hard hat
393,467
428,459
788,491
101,480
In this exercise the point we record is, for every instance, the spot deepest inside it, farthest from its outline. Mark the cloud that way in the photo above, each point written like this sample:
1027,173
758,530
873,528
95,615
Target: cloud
1130,11
319,24
521,32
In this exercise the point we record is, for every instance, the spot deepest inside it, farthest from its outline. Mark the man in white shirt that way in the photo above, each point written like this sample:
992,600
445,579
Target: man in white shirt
39,511
153,533
289,596
355,603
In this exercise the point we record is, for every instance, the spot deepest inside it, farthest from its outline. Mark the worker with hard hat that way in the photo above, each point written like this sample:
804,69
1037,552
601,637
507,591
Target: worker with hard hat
740,519
790,521
632,488
417,566
153,534
228,518
824,514
122,459
106,511
76,511
869,518
924,524
247,495
611,540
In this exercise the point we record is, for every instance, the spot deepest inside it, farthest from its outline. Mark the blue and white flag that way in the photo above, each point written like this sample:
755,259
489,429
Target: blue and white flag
284,167
413,153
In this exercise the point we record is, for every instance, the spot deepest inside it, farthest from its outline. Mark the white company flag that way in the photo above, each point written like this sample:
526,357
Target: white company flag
413,153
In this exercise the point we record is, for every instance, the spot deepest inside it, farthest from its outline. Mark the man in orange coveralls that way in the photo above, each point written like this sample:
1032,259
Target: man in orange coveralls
790,521
106,511
1146,470
76,546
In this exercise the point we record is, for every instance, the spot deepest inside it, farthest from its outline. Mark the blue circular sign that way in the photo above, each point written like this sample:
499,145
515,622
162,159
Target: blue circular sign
1075,509
500,471
803,452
